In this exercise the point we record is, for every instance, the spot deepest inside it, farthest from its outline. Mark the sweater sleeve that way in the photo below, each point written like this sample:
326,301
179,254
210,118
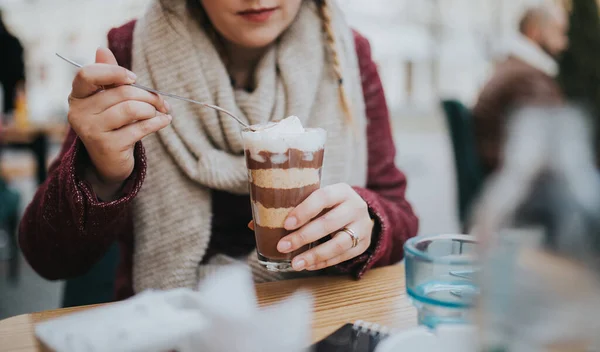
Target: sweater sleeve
395,221
66,229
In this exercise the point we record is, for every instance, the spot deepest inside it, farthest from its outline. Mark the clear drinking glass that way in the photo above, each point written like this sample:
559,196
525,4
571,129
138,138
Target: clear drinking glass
440,278
283,170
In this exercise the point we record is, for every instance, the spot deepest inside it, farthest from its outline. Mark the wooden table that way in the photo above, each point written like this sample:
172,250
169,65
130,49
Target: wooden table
379,297
56,132
34,138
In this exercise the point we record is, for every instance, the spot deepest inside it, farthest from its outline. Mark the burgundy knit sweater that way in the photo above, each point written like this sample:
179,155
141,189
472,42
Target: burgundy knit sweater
66,229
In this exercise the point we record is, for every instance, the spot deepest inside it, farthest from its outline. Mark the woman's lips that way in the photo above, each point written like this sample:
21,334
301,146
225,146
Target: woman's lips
258,15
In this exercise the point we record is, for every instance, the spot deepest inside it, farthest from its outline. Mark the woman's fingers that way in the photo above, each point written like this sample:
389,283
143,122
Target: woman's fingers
126,113
318,201
332,252
92,77
134,132
320,227
332,261
347,207
110,97
105,56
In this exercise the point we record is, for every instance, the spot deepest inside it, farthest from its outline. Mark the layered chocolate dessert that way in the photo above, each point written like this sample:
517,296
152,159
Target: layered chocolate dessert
284,167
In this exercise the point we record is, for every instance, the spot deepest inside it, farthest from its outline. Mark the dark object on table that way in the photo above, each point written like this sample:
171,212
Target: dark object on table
469,175
358,337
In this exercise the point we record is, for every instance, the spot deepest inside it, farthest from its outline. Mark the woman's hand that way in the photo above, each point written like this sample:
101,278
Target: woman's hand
110,116
342,208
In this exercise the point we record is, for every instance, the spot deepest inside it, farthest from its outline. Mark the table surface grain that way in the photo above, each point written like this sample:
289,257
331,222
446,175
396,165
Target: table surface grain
16,134
380,297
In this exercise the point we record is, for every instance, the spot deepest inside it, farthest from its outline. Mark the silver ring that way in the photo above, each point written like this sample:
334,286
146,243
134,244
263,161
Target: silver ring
352,234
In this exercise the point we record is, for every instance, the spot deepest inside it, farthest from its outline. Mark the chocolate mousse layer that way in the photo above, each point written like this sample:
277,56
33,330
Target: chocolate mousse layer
278,183
281,198
266,242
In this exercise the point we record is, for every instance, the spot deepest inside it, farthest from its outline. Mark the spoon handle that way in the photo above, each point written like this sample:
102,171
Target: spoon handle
214,107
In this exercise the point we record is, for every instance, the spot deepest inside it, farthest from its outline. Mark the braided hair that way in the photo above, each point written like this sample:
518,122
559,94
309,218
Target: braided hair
325,13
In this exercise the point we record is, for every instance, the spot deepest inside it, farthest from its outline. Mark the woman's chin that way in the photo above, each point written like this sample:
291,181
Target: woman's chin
256,38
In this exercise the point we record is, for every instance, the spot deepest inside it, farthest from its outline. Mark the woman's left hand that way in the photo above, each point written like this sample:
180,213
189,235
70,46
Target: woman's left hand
345,209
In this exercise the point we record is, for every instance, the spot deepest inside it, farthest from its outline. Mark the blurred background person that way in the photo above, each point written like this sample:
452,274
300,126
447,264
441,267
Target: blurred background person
12,67
526,77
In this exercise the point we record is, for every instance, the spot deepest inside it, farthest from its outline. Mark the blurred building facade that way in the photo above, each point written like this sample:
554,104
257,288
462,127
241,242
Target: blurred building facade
73,28
434,49
426,49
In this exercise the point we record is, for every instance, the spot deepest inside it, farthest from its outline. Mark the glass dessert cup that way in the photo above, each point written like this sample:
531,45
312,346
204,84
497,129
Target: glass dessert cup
283,170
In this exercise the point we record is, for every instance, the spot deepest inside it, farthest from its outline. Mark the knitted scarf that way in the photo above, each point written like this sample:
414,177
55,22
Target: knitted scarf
202,149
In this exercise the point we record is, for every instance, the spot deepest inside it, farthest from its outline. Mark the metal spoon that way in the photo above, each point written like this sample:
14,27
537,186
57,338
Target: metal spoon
171,95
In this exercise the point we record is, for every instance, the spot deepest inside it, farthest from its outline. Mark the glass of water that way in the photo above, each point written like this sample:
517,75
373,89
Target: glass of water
440,278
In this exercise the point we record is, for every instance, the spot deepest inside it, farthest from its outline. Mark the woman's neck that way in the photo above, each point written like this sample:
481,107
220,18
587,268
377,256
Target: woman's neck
241,63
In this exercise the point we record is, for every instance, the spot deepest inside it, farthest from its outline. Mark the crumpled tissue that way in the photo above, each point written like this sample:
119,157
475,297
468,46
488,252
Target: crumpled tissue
223,315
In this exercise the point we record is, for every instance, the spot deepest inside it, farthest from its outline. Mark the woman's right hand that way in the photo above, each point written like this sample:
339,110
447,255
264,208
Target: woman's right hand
109,122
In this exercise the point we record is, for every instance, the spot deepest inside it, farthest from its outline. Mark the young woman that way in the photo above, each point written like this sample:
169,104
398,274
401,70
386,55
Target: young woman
178,202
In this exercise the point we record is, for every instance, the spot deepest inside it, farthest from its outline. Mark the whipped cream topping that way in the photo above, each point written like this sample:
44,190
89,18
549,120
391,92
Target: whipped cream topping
279,137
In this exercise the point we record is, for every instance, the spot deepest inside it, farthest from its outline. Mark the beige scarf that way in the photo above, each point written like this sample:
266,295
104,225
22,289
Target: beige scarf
202,149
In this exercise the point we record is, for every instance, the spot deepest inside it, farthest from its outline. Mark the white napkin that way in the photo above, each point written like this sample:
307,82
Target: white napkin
222,316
